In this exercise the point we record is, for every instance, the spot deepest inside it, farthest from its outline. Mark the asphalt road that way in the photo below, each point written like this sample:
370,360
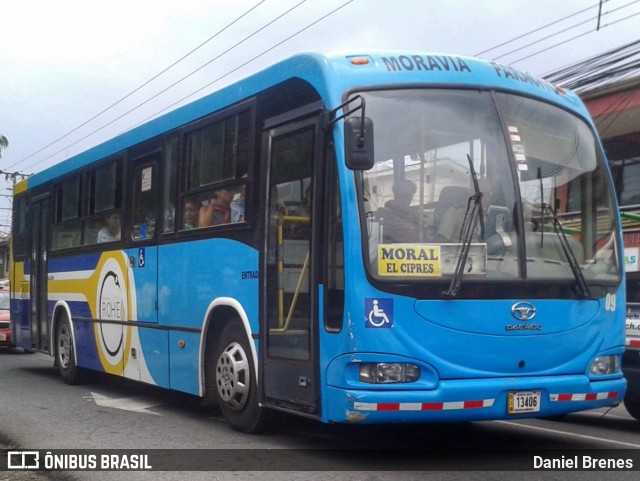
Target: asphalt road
40,412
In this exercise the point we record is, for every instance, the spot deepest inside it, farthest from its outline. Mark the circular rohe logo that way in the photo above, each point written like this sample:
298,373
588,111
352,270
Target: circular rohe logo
111,307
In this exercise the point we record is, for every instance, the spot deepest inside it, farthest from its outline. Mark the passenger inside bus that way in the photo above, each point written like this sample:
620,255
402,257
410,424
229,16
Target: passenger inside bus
217,210
190,215
400,222
111,230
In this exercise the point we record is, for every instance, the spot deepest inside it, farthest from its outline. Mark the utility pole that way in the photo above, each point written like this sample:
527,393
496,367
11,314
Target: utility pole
14,176
599,15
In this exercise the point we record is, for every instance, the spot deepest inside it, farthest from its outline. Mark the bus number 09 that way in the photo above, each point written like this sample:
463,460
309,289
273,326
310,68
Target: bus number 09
610,302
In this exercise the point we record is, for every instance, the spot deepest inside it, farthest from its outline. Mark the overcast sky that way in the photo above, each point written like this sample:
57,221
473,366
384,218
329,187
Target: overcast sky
64,62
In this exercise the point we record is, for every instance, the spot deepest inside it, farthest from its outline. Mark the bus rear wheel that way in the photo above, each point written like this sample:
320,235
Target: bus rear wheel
235,380
65,354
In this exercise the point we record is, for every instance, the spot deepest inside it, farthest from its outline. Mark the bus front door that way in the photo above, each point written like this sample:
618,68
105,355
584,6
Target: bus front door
38,274
290,304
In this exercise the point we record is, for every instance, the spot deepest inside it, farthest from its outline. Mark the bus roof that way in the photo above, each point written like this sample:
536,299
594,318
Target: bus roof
332,76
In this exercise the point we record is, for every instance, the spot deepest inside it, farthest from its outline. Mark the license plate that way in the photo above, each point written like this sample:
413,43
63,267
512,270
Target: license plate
524,402
3,337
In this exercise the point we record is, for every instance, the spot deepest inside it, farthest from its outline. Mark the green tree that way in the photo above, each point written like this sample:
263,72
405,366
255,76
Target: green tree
4,143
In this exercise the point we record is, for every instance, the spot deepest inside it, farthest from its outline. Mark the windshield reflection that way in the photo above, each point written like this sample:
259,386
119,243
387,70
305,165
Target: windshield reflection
544,208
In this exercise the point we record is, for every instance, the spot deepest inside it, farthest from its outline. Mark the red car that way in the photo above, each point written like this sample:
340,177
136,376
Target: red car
5,319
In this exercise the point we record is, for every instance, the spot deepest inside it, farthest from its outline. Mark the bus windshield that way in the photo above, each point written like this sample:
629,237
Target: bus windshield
485,185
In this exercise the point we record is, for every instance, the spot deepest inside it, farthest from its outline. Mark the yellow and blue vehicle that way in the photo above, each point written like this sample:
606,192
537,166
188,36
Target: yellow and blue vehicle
369,238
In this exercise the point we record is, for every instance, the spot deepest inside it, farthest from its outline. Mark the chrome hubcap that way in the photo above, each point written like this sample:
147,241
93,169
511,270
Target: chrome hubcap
64,346
233,376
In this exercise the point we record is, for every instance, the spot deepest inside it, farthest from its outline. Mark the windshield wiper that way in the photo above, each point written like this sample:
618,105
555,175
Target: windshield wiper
472,214
568,251
564,242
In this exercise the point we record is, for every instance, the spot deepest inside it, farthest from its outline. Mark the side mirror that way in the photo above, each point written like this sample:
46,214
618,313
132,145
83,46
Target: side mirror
358,138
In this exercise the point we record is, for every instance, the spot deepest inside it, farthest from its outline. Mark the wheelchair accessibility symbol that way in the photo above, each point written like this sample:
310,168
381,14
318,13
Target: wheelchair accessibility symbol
379,312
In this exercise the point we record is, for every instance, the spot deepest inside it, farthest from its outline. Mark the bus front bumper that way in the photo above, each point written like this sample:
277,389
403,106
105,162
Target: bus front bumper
473,400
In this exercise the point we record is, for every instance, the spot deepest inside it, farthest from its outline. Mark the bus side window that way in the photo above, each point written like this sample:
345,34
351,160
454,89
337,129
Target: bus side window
91,229
143,220
67,231
169,184
103,203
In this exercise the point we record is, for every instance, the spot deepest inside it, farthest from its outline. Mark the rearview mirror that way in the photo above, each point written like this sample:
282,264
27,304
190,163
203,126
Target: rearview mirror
358,138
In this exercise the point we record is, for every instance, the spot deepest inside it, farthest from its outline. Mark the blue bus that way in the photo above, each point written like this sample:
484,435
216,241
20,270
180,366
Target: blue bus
369,238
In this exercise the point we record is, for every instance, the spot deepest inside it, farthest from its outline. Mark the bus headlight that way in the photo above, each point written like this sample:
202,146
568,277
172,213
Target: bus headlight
388,372
603,365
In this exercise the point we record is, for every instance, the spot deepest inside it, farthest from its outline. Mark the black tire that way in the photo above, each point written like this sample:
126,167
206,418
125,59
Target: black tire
235,380
65,355
632,405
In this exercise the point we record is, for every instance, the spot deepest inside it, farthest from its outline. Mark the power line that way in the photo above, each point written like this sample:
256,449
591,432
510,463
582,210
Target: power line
603,69
600,14
201,67
172,85
14,176
229,25
263,53
598,17
535,30
573,38
248,61
588,73
214,59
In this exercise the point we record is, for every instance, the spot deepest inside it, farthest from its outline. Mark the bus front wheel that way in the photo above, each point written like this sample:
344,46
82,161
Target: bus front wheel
65,354
235,379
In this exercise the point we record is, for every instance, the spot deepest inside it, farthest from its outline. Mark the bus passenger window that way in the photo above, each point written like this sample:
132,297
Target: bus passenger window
144,225
66,235
171,149
143,221
103,201
237,207
67,231
238,202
